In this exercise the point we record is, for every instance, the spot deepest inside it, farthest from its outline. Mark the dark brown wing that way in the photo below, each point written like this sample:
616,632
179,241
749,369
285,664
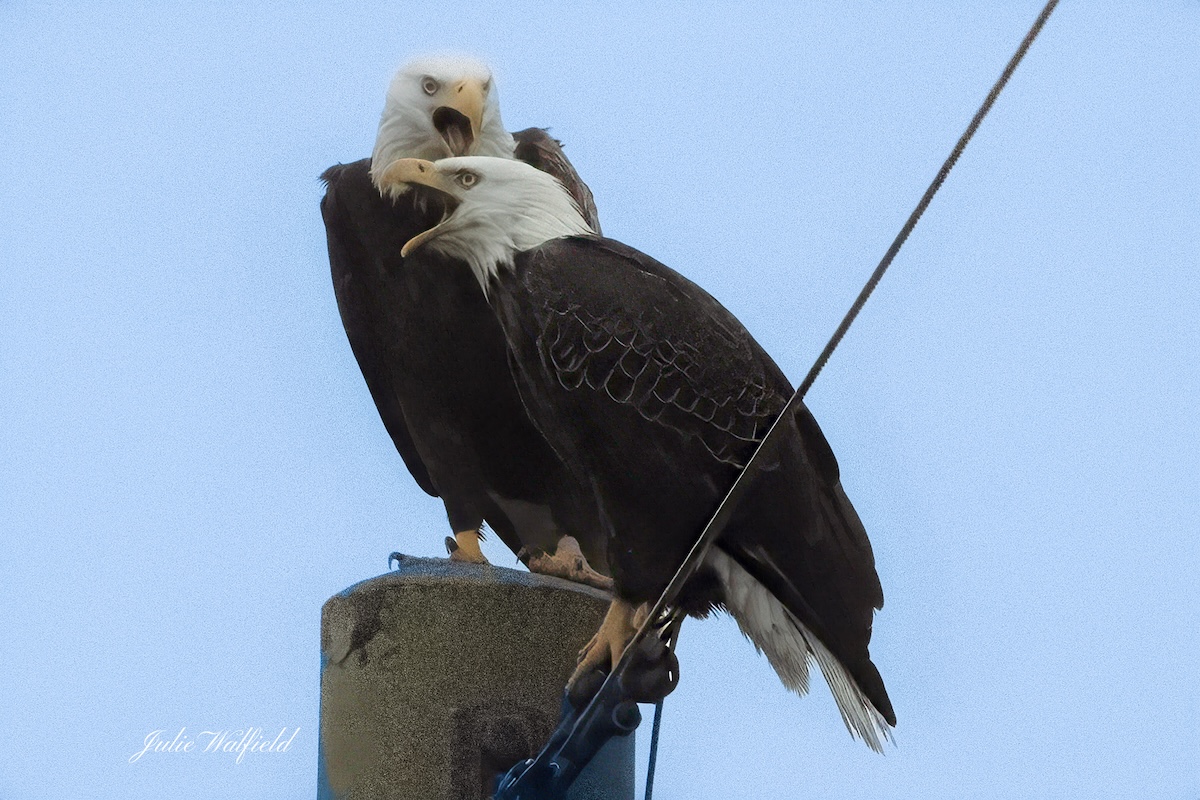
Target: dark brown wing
536,147
662,394
350,197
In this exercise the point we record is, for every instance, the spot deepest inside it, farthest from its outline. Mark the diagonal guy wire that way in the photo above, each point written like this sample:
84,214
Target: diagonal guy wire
723,513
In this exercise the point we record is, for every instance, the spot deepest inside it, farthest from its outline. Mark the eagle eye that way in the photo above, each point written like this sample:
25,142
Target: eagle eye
467,179
429,85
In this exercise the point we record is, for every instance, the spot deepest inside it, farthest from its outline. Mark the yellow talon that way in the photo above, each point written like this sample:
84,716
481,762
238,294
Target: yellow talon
605,648
466,548
569,562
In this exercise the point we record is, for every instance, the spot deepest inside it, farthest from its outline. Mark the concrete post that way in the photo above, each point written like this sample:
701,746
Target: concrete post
439,675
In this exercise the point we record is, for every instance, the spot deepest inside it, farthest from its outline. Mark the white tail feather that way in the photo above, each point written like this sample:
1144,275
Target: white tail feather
788,646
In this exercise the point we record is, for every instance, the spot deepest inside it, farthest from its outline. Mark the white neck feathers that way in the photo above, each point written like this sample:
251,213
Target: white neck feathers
514,207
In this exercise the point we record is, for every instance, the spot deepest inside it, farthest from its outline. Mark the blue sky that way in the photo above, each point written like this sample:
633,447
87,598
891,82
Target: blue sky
190,463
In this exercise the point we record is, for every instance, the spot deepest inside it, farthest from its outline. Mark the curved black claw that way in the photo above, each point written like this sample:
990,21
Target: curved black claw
397,557
451,545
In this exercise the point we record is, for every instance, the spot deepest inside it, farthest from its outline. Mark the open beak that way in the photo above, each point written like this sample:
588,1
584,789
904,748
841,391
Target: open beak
418,172
460,118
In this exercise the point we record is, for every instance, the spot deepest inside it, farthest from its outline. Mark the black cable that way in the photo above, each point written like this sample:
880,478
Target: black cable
717,524
723,513
873,281
658,709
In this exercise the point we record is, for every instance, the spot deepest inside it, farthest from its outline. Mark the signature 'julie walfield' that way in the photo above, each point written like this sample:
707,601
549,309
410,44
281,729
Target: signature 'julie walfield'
240,741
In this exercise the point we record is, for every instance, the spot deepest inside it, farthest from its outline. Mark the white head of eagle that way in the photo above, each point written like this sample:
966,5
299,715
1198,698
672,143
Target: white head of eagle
440,106
495,208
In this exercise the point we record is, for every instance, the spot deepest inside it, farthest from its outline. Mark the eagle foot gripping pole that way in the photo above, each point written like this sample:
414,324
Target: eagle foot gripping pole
595,712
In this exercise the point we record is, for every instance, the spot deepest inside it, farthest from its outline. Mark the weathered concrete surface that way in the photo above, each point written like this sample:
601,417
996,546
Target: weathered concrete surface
438,675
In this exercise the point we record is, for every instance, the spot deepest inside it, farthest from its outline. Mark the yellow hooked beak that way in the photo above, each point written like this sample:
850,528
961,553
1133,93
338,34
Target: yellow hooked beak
459,118
418,172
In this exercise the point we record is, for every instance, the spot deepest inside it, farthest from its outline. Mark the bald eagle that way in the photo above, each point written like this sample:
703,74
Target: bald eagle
431,352
659,395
